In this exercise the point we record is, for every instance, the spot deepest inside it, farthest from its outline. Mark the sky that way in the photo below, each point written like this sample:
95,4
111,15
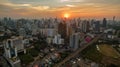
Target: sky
57,8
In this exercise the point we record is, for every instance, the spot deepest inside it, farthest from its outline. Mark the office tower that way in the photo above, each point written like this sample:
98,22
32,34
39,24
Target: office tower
11,51
2,28
58,40
62,29
74,41
34,28
16,42
70,29
85,26
51,32
96,26
104,23
88,26
114,20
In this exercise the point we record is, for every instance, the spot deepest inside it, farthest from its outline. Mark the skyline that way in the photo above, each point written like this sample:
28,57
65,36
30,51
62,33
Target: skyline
57,8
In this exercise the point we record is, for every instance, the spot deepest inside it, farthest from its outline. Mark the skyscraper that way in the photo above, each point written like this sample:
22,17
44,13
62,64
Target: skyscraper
114,20
74,41
96,26
62,29
104,23
85,26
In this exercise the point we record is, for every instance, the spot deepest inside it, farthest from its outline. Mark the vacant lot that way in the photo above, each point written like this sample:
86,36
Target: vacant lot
108,50
92,54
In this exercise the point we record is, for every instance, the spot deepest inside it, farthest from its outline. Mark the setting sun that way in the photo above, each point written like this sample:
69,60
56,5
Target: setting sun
66,15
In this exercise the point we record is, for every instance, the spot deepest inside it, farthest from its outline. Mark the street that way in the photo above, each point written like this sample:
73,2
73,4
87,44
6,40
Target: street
78,51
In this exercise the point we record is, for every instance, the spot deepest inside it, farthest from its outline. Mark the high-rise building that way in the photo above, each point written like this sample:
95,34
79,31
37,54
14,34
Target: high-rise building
74,41
2,28
62,29
48,32
70,29
85,26
16,42
34,28
96,26
104,23
58,40
22,32
113,20
11,51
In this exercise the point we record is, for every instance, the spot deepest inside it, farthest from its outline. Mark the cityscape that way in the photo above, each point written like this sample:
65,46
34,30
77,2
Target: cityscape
59,33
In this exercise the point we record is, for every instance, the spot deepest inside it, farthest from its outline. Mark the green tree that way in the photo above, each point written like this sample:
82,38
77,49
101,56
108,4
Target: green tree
26,58
33,52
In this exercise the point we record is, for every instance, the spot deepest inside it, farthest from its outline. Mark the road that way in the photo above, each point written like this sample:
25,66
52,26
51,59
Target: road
78,51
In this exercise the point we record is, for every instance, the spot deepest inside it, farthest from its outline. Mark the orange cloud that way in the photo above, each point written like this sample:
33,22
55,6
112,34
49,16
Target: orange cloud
79,10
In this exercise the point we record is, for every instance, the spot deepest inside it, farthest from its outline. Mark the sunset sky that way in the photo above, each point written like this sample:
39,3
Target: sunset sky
56,8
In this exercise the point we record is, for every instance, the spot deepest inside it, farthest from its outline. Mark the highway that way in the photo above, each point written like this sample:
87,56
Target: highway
78,51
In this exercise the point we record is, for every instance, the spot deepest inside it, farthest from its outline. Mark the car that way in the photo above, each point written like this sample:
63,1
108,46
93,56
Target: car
73,61
78,59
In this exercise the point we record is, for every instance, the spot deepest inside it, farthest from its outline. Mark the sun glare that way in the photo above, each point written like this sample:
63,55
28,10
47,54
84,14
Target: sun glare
66,15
